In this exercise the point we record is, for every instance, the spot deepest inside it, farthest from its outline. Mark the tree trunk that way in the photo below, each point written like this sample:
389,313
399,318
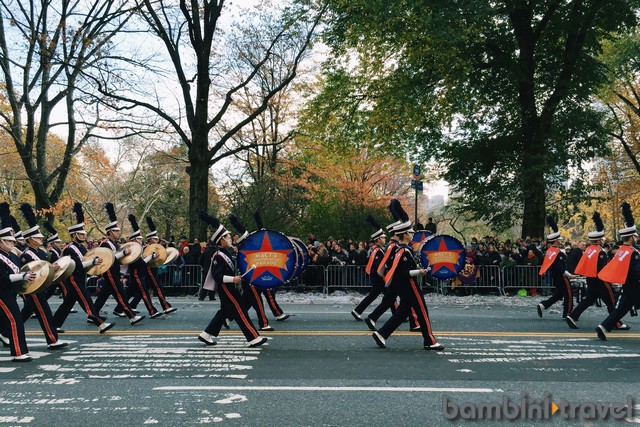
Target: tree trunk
198,193
532,181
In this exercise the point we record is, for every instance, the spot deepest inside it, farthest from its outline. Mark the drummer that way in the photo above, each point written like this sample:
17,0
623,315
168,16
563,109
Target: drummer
11,324
222,273
37,302
76,283
112,280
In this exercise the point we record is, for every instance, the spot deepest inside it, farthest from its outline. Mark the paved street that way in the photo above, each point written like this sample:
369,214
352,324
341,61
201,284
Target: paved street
321,367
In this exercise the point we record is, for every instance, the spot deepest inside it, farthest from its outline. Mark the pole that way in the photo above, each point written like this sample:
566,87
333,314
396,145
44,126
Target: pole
415,216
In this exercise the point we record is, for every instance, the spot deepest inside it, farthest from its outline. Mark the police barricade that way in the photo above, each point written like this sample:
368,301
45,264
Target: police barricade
180,279
313,278
346,276
526,277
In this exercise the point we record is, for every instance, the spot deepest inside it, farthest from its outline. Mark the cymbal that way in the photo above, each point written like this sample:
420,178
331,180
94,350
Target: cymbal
107,256
160,250
67,265
44,277
172,254
135,250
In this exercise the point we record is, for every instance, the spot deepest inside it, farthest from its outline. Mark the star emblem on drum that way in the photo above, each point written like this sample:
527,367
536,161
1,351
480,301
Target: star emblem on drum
267,259
443,257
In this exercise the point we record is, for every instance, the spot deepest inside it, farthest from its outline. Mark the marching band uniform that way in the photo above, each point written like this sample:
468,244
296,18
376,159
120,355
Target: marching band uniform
37,302
138,276
270,296
555,261
76,283
53,240
375,258
401,275
152,237
222,273
623,268
593,260
112,281
11,324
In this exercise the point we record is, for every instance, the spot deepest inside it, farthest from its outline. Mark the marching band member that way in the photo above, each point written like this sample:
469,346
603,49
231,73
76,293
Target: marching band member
593,260
112,281
37,302
138,287
623,268
401,276
153,238
76,283
555,261
250,293
375,257
391,293
20,240
222,273
11,324
55,251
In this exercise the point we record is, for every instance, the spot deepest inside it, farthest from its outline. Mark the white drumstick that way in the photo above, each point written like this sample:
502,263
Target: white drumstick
252,268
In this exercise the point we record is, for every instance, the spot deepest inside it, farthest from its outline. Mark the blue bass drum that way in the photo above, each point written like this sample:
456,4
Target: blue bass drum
274,256
444,254
418,238
303,256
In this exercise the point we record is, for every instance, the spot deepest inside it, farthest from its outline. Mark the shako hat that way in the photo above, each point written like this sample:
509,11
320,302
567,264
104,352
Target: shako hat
113,219
555,235
30,217
599,231
6,231
379,231
629,223
78,227
219,230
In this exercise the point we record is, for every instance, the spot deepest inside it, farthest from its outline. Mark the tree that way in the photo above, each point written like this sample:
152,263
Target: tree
45,49
511,81
209,71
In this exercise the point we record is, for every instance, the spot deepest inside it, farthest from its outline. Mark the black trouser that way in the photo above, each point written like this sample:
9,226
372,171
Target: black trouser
562,292
389,301
76,291
113,286
11,324
231,307
270,296
253,299
411,299
630,297
37,303
376,289
596,288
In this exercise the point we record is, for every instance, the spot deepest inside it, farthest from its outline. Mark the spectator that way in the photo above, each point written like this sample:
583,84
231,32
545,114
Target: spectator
431,226
362,254
493,257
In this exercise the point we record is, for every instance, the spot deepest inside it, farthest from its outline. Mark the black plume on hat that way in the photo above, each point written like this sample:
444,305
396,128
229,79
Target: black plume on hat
5,215
371,220
235,222
393,209
14,224
397,208
49,227
29,216
258,219
77,208
597,220
552,223
111,212
627,215
134,222
151,224
212,221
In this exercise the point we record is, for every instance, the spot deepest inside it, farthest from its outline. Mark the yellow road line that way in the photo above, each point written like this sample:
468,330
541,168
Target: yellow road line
483,334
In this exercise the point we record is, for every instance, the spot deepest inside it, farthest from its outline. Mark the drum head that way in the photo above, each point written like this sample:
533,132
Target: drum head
418,238
107,260
172,254
44,277
303,257
444,254
135,251
67,265
272,253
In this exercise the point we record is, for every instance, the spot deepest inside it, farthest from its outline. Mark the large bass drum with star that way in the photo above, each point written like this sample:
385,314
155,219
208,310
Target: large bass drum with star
303,257
444,255
274,256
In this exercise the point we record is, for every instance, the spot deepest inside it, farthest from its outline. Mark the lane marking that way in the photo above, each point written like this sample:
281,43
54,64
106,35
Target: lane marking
319,388
475,334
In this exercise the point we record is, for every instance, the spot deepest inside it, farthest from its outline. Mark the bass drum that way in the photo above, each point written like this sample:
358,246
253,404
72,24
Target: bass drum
419,238
274,257
303,257
444,255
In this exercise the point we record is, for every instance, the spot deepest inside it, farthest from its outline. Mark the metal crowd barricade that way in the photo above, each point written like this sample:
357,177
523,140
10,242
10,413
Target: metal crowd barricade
346,276
312,278
183,279
489,277
526,277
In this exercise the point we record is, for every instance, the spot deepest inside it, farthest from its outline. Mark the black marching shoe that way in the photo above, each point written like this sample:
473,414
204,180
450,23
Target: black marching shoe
571,322
379,340
434,347
370,323
257,342
602,332
356,315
